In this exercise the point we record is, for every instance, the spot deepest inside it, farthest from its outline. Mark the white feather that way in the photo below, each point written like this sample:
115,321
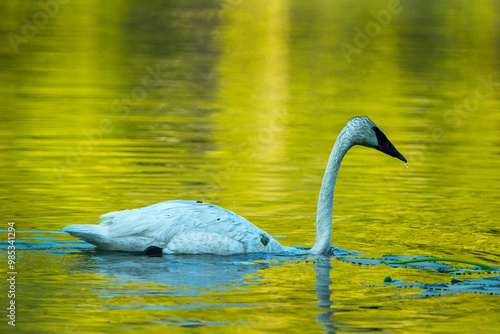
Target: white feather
178,227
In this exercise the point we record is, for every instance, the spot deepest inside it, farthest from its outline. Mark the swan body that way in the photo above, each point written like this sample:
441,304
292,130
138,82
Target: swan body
188,227
178,227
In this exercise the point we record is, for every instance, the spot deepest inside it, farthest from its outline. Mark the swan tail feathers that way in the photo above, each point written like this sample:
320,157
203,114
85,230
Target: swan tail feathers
93,234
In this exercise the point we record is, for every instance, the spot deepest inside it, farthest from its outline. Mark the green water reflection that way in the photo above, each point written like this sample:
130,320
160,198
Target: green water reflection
118,105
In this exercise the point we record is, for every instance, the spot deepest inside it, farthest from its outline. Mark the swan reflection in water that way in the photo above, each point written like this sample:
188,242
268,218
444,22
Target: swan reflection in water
196,275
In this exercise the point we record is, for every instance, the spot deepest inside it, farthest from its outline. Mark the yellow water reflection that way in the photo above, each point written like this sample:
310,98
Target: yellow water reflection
119,105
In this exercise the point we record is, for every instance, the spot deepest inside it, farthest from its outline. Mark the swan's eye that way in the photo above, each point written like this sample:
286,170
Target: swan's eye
381,138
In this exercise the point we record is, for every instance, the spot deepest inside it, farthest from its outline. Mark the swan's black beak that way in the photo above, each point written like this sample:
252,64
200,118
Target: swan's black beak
384,145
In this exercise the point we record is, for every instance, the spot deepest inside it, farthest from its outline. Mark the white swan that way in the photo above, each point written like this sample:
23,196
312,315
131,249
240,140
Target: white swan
188,227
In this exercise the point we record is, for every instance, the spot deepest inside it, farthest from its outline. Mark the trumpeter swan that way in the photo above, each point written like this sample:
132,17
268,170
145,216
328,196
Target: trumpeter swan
188,227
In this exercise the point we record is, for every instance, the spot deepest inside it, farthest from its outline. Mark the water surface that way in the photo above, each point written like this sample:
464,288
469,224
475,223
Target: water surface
111,106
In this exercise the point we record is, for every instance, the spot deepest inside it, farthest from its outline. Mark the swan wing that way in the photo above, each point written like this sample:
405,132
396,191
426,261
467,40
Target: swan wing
181,227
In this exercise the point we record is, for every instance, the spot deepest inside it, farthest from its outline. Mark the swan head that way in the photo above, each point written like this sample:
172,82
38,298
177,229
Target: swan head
366,133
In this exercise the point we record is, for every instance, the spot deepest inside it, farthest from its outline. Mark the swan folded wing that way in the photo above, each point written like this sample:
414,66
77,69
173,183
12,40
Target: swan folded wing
148,224
172,224
205,243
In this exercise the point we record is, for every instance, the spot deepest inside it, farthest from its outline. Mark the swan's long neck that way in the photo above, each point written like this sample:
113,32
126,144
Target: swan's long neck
324,214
